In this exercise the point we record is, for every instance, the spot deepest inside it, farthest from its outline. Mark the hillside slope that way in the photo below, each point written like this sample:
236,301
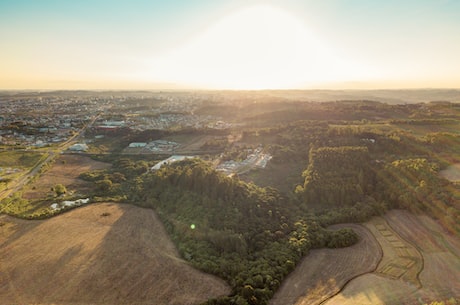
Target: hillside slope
99,254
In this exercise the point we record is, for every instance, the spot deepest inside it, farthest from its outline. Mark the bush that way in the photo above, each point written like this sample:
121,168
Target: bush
342,238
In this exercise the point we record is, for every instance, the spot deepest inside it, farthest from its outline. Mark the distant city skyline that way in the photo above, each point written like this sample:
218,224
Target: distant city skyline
217,44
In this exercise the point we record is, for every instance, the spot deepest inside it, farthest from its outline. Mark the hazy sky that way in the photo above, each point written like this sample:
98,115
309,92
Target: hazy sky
109,44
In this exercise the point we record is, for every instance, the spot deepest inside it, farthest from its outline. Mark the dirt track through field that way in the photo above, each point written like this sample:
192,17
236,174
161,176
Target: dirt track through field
98,254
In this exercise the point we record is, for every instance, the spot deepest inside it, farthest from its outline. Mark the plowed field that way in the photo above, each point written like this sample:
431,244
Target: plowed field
420,263
428,269
325,271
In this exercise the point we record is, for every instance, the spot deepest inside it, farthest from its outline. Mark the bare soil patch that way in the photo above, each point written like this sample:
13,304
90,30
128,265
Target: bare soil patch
65,170
324,272
452,173
98,254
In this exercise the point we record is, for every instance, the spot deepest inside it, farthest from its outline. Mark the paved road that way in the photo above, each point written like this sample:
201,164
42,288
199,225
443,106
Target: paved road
19,183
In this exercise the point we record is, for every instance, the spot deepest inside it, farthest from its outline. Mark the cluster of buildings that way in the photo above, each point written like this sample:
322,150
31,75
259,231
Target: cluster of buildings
166,121
257,159
158,146
36,120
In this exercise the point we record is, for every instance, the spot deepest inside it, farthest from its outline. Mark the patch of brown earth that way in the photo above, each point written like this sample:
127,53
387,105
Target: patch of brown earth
451,173
65,170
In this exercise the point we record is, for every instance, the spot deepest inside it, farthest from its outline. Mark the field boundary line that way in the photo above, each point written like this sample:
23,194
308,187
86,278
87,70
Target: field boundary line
422,260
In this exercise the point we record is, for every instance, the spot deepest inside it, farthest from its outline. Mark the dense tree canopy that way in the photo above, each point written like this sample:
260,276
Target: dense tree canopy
337,176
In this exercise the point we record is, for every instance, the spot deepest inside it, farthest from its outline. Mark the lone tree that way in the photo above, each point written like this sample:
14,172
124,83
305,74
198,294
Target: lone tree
60,189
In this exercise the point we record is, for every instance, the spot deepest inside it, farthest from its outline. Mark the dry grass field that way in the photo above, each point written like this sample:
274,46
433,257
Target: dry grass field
325,271
65,171
98,254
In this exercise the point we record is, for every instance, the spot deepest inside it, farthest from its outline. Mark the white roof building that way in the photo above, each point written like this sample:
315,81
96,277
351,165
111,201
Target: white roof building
79,147
137,144
170,160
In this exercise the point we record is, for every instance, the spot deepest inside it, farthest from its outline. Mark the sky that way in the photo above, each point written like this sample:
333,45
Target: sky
229,44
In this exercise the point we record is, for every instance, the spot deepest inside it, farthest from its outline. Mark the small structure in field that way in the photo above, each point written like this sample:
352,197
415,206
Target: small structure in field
79,147
169,161
137,144
69,203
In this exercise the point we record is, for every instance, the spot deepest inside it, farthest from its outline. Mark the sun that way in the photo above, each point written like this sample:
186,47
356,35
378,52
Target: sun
260,47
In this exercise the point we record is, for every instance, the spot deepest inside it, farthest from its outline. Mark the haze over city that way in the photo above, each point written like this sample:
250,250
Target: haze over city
205,44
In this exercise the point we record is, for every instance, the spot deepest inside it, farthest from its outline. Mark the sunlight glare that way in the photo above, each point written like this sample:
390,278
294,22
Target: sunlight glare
261,47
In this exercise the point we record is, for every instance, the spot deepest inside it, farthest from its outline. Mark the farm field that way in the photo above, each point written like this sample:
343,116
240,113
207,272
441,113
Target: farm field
401,259
98,254
65,170
393,282
323,272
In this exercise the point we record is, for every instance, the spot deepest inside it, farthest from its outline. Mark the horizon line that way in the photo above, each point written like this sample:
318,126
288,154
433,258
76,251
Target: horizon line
227,89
